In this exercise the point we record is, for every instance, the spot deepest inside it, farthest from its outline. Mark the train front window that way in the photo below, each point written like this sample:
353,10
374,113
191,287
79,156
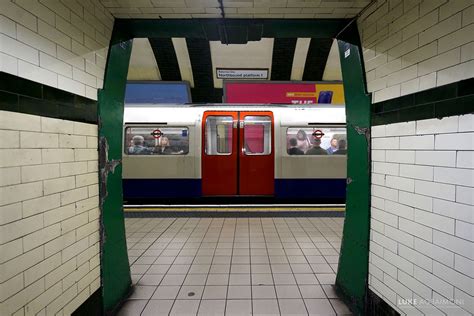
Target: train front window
257,135
316,140
218,135
156,140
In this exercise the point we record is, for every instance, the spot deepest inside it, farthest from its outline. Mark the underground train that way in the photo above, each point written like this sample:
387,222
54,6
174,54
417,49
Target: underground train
207,151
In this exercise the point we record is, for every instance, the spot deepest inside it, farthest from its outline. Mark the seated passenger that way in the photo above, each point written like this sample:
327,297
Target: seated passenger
137,147
294,150
333,148
342,148
316,149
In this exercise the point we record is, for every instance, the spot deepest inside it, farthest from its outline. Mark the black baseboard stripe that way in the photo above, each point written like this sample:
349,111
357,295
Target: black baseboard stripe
25,96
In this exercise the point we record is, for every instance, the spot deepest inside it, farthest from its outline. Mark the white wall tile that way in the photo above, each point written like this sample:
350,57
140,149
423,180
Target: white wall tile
457,245
436,158
19,50
465,195
466,123
434,189
457,141
453,210
38,74
416,200
435,221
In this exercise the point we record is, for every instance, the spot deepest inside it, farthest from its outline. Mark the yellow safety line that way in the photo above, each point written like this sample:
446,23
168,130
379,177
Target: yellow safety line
194,209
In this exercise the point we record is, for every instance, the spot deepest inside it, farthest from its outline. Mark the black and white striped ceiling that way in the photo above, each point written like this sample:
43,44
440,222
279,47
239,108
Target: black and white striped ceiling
196,60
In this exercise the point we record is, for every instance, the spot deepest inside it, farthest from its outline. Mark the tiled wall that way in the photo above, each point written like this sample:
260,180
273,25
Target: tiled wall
411,46
422,215
62,44
49,214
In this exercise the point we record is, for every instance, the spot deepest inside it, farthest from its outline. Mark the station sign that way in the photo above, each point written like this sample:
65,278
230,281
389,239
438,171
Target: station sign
228,73
245,92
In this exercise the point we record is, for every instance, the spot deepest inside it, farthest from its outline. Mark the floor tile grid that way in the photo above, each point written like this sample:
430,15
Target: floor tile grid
306,301
203,238
245,229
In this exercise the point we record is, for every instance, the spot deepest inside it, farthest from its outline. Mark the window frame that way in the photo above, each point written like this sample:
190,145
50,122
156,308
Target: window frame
155,126
270,121
217,153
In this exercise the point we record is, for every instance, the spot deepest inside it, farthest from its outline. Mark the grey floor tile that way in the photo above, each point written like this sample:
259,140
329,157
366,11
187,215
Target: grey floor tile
239,292
139,268
312,291
321,268
158,269
239,279
141,292
315,259
328,278
330,291
217,279
306,278
240,268
238,307
212,307
151,279
292,307
281,268
185,307
165,292
263,291
319,307
215,292
195,279
221,260
157,308
220,268
173,279
136,278
301,268
260,268
340,307
287,291
259,259
132,307
179,269
265,307
199,269
145,260
190,292
262,279
284,278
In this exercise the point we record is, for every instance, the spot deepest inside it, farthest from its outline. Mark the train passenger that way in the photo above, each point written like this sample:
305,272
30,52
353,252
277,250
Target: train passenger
316,149
165,148
302,140
294,150
333,148
137,147
342,148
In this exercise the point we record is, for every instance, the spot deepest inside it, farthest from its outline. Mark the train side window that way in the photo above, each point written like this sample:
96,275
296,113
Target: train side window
257,135
156,140
218,135
316,140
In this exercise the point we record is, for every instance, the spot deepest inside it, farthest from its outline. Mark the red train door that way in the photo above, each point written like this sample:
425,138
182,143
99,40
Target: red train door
256,154
219,153
237,153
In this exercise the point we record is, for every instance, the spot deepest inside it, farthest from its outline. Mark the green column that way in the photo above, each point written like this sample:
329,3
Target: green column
351,279
116,280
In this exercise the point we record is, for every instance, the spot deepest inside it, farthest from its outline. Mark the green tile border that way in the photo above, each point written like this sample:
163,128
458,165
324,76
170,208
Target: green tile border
29,97
448,100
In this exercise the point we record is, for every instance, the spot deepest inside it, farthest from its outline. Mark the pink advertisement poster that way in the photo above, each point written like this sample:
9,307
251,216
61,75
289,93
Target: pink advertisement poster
283,92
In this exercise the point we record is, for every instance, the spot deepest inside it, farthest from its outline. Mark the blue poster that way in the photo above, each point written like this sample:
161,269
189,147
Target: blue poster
157,92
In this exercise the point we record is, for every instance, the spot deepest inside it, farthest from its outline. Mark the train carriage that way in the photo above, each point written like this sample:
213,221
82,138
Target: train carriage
209,151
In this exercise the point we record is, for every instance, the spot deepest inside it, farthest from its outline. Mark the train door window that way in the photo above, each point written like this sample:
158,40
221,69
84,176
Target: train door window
257,135
316,140
219,135
156,140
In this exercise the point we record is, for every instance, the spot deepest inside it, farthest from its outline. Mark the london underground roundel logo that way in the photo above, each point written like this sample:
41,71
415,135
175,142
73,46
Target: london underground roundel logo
156,133
318,134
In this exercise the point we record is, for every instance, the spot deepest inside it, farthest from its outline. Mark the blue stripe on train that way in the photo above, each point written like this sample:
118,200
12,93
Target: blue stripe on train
191,188
310,188
161,188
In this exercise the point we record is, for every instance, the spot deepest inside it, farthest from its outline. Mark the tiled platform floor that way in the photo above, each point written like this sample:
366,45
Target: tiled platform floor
234,266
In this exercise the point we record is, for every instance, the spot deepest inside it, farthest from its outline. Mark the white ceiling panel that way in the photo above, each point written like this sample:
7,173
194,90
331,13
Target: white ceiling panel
291,9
